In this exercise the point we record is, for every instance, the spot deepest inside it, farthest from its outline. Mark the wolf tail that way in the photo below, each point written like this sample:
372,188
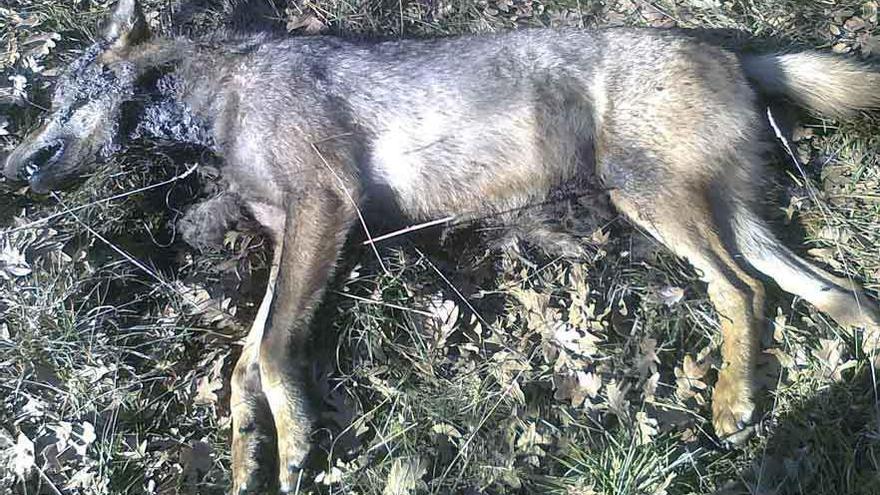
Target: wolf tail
823,83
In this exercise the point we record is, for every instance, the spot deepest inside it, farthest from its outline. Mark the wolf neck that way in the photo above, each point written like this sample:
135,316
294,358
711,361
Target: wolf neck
168,117
176,108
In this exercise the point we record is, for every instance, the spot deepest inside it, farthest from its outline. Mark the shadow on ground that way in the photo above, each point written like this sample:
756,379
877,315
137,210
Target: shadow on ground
826,444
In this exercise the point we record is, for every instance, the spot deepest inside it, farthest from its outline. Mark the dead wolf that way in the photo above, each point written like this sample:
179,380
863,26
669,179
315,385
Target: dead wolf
310,128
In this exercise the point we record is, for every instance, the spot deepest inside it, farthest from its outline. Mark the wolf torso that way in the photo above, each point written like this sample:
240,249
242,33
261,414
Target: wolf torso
468,125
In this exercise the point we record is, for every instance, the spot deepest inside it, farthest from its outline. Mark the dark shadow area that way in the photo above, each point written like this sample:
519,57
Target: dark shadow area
828,444
201,17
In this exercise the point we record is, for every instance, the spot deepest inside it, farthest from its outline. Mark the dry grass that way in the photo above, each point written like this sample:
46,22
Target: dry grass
459,370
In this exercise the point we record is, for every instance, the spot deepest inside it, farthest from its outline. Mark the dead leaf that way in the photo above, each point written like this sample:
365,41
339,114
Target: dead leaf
830,354
671,296
531,440
330,477
617,402
647,427
779,323
209,384
444,322
650,387
577,387
869,12
840,48
689,435
600,237
23,456
38,46
871,341
854,23
308,23
647,360
12,263
405,476
784,359
86,438
689,378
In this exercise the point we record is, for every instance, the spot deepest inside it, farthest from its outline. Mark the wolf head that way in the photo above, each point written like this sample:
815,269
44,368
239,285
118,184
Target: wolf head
82,126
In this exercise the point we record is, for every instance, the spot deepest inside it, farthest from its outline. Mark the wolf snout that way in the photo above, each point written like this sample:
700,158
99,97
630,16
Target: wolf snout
24,168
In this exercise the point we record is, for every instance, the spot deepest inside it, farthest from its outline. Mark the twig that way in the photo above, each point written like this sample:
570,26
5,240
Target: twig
454,289
354,203
387,305
131,259
48,481
409,229
105,200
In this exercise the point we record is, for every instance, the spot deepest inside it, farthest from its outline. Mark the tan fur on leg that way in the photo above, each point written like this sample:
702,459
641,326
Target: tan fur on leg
253,435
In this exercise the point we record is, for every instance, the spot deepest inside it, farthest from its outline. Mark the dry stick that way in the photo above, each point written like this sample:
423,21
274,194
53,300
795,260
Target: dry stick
105,200
299,478
813,196
357,207
48,480
454,288
409,229
131,259
386,304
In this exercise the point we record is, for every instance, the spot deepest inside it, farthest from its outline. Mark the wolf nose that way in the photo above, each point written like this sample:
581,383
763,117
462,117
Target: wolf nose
43,157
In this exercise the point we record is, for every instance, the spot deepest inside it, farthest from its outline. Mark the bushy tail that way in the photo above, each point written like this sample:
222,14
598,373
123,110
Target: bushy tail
823,83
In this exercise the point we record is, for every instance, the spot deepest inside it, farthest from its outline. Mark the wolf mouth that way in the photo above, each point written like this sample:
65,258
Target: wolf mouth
46,156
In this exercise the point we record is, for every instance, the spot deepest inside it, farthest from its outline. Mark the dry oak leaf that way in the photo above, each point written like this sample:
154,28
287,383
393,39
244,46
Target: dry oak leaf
689,378
577,387
208,385
405,476
617,402
647,427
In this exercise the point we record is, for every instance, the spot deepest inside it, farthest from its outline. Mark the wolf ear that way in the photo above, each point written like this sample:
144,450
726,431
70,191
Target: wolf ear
126,26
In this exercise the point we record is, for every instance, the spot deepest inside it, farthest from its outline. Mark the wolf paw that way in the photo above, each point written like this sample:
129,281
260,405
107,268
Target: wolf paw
732,408
292,460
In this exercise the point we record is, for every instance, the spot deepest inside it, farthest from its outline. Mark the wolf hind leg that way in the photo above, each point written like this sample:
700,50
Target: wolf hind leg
682,212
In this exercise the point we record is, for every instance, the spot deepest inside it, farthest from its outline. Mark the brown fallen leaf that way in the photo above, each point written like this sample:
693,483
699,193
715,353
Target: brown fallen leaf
689,378
208,385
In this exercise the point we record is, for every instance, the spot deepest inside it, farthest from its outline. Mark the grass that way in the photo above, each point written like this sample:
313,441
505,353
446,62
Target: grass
460,369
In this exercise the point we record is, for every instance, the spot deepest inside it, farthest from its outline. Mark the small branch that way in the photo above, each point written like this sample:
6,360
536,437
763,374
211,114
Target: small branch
105,200
406,230
186,298
354,203
386,304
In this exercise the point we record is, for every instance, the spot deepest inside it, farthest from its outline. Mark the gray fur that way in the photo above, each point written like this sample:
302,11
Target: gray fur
168,119
205,224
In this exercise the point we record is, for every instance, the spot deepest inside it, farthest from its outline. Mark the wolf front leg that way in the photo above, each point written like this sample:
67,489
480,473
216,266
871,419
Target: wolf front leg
253,432
315,229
